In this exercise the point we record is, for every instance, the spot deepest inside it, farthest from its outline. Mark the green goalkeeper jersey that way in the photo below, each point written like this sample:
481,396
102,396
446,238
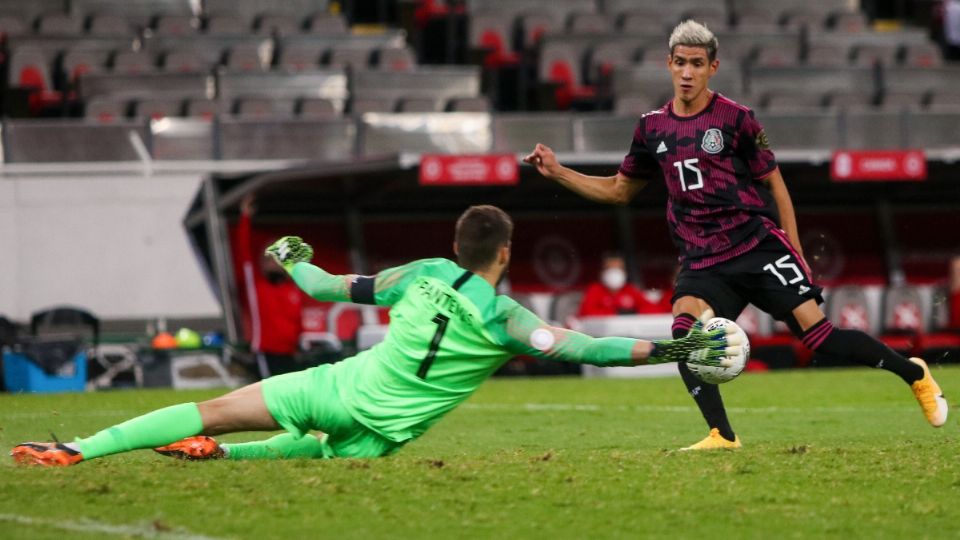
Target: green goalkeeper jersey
449,331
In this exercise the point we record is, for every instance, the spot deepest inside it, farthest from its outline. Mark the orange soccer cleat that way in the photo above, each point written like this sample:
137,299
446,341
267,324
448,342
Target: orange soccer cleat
47,454
193,448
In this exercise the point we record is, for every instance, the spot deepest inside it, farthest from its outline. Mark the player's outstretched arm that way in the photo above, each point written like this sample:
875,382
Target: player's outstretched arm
618,189
294,255
527,334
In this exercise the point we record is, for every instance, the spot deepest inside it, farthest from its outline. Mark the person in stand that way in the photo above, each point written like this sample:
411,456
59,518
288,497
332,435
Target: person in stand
613,295
273,302
732,219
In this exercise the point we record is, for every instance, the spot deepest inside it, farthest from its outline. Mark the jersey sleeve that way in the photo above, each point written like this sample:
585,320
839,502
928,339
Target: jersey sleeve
754,147
390,284
639,161
522,332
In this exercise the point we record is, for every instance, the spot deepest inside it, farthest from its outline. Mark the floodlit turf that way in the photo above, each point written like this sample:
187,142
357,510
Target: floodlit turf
831,453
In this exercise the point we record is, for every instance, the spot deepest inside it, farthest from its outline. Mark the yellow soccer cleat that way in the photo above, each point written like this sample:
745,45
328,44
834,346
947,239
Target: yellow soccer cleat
715,441
931,399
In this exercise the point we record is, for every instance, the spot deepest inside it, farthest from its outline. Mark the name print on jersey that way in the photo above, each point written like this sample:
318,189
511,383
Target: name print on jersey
443,300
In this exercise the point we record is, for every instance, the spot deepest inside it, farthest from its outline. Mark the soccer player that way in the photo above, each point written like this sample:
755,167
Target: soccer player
449,331
732,219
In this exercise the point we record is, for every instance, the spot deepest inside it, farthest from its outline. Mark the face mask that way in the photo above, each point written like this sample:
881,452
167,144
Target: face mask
613,278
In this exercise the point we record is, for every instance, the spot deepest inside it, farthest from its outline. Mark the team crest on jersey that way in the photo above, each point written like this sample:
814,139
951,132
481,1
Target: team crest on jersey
712,141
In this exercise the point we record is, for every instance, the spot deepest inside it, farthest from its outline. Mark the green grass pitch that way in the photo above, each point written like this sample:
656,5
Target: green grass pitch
828,454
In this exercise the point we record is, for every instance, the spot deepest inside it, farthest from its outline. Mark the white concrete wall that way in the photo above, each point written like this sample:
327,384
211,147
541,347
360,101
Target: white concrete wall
112,244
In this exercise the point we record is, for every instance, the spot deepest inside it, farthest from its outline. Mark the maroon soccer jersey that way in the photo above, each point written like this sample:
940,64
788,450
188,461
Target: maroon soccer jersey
712,163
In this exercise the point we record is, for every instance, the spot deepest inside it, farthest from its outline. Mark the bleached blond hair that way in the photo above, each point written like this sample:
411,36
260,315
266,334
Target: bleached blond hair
693,34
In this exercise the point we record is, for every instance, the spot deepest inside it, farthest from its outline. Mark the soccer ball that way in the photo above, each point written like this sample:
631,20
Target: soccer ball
717,375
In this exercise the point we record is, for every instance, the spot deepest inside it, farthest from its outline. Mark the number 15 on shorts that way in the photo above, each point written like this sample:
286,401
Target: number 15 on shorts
790,269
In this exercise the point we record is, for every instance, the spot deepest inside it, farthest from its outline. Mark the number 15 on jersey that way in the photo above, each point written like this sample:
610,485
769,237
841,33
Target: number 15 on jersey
691,166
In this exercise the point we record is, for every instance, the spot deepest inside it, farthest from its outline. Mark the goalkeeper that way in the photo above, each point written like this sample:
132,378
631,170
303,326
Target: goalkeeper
449,331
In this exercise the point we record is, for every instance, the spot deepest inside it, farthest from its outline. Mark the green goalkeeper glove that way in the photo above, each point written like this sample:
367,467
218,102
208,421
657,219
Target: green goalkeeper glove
290,250
697,347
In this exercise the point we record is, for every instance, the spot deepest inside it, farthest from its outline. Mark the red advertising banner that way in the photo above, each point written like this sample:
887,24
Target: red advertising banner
469,170
878,165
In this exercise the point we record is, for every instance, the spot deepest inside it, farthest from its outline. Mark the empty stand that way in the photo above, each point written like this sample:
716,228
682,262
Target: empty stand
144,84
603,133
182,139
871,129
439,83
329,84
262,107
317,109
132,63
75,140
59,24
325,140
106,109
457,133
523,130
807,130
158,107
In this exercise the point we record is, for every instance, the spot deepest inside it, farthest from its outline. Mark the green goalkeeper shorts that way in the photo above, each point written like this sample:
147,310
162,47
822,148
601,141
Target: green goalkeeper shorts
308,400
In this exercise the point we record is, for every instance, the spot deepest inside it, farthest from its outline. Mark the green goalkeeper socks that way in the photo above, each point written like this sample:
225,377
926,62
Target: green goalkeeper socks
283,446
151,430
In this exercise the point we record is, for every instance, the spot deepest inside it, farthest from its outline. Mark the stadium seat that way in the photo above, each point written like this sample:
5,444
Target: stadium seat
712,15
759,21
491,32
226,24
372,104
635,104
352,58
106,109
589,23
133,62
786,54
534,26
59,24
76,62
396,59
30,69
868,55
945,97
802,17
283,25
317,109
249,57
327,24
792,100
11,26
300,57
109,25
640,24
417,104
850,22
469,104
156,108
828,55
851,99
184,61
900,100
606,56
560,64
922,55
264,107
174,25
204,108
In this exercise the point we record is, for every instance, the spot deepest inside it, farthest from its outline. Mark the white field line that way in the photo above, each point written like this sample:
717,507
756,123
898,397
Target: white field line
673,408
145,530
